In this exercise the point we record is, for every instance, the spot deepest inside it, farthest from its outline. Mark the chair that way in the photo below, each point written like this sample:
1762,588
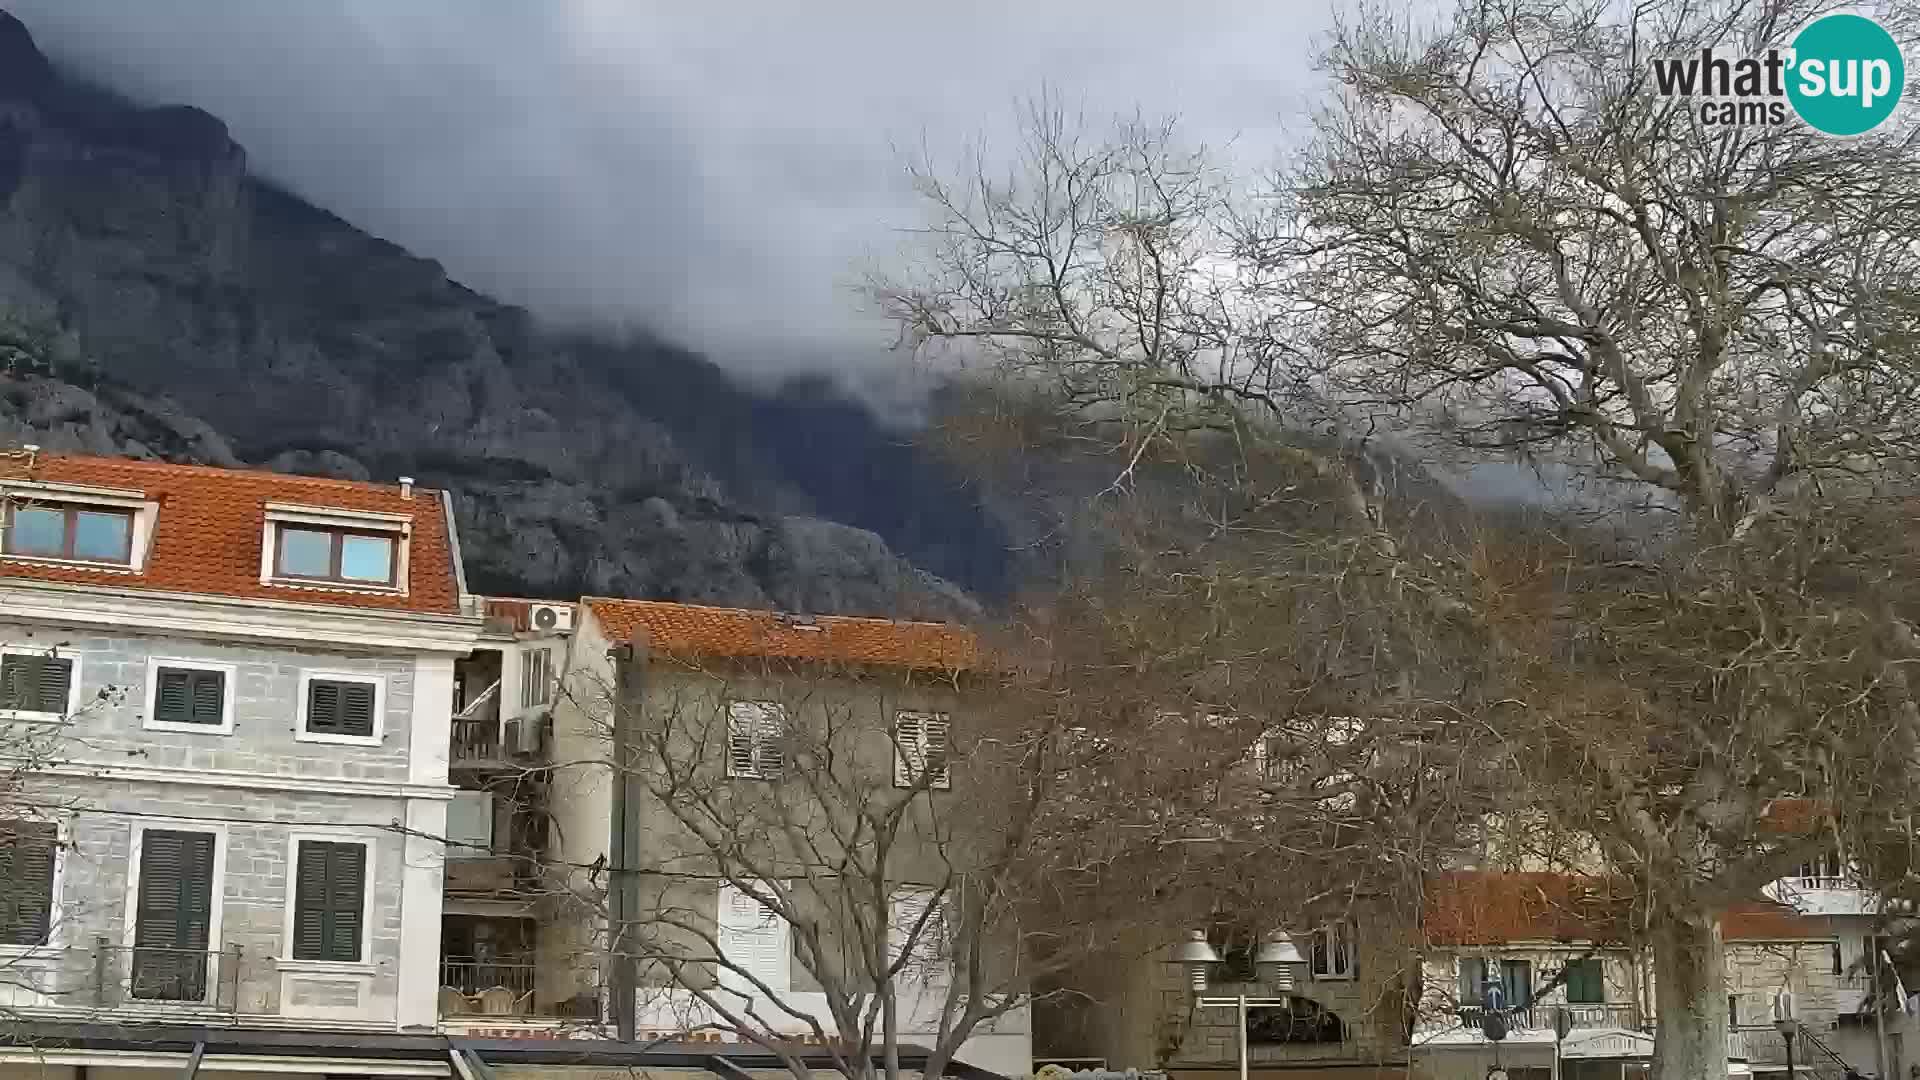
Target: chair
453,1002
496,1001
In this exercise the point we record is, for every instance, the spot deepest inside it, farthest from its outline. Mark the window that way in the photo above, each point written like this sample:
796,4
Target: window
37,683
469,824
1516,983
329,898
1826,867
185,695
1333,952
755,730
920,750
1733,1010
27,850
173,914
69,532
922,934
341,708
1586,982
536,677
754,944
356,558
1473,980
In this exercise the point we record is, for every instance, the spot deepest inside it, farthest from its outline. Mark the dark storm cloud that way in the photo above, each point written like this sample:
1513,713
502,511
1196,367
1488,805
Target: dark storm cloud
714,172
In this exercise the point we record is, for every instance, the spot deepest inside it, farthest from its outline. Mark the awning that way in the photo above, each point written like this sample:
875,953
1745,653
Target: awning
306,1051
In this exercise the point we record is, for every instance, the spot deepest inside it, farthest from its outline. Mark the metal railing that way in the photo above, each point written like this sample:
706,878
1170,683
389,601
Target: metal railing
477,738
122,975
1764,1045
489,988
1541,1017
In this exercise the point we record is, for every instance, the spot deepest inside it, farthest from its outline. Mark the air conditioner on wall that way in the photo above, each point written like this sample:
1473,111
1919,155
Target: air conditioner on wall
555,618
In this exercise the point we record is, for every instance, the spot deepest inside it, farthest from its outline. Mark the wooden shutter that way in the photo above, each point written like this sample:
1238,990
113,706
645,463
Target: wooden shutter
755,730
929,945
188,696
1473,980
920,744
173,910
340,708
26,875
907,748
35,683
329,899
755,940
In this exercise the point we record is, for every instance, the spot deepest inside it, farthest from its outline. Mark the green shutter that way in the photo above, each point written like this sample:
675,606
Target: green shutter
173,909
35,683
190,697
329,895
26,876
1584,983
339,708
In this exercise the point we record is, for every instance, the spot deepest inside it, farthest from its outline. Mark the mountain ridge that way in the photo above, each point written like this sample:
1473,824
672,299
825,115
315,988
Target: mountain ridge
167,302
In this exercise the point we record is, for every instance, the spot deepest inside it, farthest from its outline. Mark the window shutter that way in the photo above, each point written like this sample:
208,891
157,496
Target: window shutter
1473,976
929,947
34,683
323,707
740,732
754,940
173,698
907,748
754,733
934,750
173,907
55,674
769,754
328,900
340,708
209,696
26,874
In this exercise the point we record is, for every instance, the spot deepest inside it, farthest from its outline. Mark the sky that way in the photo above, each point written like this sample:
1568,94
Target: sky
714,172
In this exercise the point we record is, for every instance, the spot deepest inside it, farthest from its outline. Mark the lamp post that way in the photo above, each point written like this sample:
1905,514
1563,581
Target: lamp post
1785,1024
1272,961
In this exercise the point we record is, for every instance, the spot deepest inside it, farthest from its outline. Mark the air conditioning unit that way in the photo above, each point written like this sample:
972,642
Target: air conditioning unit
526,734
553,618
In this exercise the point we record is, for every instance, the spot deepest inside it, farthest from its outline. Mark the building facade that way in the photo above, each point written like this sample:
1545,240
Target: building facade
741,721
227,698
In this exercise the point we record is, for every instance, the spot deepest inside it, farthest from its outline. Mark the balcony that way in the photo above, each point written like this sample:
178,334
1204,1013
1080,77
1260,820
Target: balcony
480,741
123,978
1824,895
508,991
1540,1017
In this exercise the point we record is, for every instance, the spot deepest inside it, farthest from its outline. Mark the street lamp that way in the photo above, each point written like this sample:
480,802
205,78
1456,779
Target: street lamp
1273,961
1785,1024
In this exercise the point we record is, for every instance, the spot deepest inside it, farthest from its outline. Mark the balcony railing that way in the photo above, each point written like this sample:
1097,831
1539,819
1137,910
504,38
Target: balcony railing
1541,1017
489,988
108,976
492,877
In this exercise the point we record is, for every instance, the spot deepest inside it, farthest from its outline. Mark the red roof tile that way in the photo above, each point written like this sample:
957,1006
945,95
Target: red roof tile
1473,907
1490,908
211,523
693,630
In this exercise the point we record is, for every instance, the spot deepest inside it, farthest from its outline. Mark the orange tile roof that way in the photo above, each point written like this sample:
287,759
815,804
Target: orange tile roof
1763,920
694,630
1493,908
1476,907
212,521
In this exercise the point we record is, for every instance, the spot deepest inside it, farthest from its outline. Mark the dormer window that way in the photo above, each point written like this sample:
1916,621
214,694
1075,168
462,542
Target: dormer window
335,555
80,533
321,547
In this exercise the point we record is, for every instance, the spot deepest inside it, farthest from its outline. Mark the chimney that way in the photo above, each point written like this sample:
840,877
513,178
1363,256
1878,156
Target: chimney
33,453
406,487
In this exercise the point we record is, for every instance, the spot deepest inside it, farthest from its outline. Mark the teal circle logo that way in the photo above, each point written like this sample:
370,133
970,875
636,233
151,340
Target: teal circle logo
1848,74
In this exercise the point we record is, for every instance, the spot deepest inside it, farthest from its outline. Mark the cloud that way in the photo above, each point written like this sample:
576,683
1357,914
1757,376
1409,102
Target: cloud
713,172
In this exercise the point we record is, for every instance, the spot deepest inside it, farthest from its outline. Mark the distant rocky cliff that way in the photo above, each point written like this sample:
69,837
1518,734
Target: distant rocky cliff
163,301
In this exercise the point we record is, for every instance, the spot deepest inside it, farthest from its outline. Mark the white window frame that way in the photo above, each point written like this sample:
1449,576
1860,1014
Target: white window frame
529,698
285,961
326,517
910,762
35,716
760,711
139,538
1340,932
379,684
224,727
216,892
724,897
56,911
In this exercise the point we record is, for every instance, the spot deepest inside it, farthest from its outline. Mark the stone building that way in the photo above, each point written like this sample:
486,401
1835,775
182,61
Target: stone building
225,697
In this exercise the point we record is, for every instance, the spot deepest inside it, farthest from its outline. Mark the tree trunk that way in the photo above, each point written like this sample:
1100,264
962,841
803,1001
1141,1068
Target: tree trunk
1690,998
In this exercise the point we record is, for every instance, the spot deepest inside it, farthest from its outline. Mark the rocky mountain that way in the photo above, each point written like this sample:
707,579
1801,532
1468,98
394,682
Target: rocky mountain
158,299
